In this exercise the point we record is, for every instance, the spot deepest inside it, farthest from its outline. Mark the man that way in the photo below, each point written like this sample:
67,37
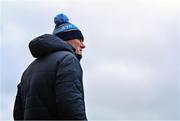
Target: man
51,87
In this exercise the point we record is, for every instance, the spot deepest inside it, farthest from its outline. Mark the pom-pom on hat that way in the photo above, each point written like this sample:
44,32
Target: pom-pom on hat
65,30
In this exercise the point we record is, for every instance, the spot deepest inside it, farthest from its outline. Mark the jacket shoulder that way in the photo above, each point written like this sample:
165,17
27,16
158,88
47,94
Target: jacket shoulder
66,55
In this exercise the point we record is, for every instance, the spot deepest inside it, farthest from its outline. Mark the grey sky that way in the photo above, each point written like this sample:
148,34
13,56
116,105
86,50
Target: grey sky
131,60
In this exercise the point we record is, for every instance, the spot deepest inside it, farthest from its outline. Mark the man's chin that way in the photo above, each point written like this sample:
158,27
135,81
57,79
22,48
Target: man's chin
79,56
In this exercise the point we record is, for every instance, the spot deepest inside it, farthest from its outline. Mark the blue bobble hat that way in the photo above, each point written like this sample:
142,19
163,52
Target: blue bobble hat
65,30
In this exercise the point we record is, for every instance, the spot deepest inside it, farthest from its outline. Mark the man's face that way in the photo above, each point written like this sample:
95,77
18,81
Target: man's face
77,44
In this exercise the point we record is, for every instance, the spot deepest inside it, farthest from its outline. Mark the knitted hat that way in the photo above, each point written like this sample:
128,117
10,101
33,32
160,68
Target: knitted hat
65,30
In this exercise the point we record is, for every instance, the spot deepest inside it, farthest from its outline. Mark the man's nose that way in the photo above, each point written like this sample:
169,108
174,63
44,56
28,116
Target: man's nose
82,45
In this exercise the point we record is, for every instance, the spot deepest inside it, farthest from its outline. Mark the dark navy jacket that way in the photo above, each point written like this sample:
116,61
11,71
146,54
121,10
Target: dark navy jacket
51,87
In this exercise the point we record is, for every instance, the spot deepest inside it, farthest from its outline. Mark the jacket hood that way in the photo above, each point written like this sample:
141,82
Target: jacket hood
46,44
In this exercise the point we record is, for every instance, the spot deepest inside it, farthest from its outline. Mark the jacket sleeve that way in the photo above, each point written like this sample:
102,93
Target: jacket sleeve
69,90
18,110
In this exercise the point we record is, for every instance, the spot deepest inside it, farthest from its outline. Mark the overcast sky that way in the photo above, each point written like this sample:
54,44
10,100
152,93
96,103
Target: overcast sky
131,61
